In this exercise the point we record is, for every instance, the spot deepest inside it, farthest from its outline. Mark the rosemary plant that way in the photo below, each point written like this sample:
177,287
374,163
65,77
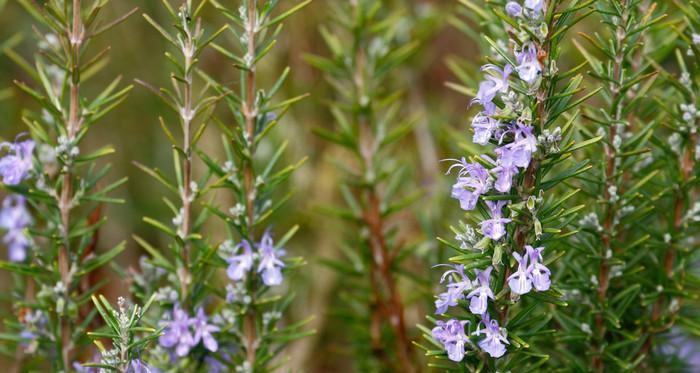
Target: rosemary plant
187,266
57,188
364,51
603,273
529,112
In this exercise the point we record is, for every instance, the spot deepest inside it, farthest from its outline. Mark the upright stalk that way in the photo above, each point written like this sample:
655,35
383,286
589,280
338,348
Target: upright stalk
610,179
66,199
386,293
250,112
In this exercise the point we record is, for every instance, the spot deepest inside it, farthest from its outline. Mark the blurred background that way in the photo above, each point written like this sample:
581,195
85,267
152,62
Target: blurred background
137,53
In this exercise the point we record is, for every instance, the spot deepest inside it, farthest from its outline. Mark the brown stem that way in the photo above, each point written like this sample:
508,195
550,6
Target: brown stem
610,171
386,294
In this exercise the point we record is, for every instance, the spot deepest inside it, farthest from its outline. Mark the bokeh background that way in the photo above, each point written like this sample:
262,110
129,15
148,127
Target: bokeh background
442,122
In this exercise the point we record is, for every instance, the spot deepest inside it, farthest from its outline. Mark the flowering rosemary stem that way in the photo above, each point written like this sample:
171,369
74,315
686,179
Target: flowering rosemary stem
250,112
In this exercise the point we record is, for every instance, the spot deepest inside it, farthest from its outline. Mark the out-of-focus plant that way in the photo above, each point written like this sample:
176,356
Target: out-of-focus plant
369,124
529,113
57,188
671,287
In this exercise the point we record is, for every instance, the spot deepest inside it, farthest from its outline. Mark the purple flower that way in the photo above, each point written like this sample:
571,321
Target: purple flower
138,366
177,333
455,289
484,127
521,149
479,296
270,265
473,180
495,341
534,5
505,170
451,335
203,330
493,83
495,228
528,68
538,271
239,265
530,272
15,218
520,282
514,9
16,164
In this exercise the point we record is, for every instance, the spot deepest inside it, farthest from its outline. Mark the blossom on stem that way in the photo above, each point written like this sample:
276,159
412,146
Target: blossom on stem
455,289
529,68
539,272
493,83
239,265
484,125
473,180
520,282
203,330
177,333
15,218
495,228
495,341
16,164
270,265
478,298
514,9
531,272
451,334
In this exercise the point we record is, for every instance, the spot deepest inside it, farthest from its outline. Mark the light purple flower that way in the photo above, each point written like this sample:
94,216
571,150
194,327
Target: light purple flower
16,164
522,147
534,5
138,366
538,271
203,330
451,335
484,126
493,83
455,289
529,68
514,9
473,180
15,218
520,282
495,341
505,169
270,265
239,265
495,228
478,298
177,333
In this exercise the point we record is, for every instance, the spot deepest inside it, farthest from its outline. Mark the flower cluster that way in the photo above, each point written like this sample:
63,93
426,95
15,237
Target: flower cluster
15,167
15,218
184,332
241,260
16,164
506,122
